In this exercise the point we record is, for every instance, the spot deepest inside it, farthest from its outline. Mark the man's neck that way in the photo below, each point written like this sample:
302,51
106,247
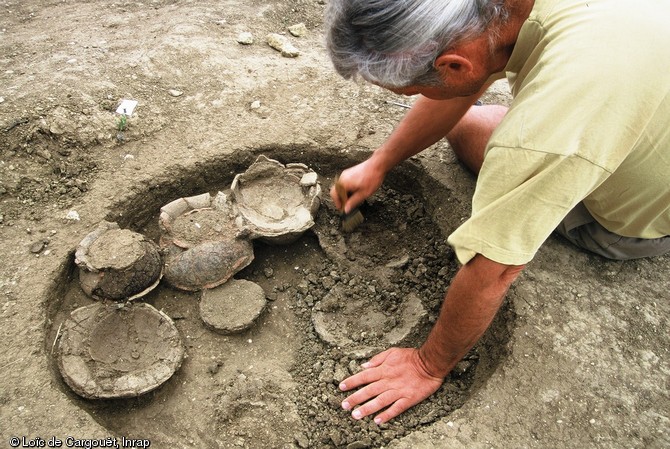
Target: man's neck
505,35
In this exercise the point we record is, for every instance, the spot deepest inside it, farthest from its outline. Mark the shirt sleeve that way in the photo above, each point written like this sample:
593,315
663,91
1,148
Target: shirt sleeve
520,198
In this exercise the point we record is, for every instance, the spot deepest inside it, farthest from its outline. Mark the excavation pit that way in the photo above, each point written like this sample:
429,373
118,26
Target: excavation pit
275,383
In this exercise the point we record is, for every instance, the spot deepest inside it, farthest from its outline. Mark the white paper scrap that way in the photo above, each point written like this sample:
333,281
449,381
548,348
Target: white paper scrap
126,107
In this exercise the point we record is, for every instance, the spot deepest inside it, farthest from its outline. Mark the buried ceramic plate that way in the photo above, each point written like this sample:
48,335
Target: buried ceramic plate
361,326
118,351
277,202
204,240
233,306
117,264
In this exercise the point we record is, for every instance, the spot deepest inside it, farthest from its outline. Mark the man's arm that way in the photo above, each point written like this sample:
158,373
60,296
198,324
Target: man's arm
427,122
402,377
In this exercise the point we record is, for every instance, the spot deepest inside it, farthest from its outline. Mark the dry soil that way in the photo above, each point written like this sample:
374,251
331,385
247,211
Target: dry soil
577,357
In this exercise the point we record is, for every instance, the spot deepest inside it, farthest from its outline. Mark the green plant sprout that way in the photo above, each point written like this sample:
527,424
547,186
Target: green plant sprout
122,123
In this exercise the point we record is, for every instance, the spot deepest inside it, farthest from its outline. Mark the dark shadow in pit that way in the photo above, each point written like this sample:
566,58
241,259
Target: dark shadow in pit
275,384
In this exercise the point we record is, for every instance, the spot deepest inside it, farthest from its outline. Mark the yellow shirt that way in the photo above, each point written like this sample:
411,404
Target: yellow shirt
590,120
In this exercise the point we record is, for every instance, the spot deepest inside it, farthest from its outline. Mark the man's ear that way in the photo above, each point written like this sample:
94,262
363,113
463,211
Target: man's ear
451,65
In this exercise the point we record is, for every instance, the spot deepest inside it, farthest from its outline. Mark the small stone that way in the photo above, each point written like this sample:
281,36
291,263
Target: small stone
361,444
213,368
326,376
398,263
37,247
176,93
302,440
245,38
72,215
298,30
2,99
340,373
268,272
461,368
281,44
255,104
328,282
336,437
308,179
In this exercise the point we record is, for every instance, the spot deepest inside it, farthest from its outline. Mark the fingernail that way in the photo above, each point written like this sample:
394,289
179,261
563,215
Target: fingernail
343,386
378,420
366,365
346,405
357,414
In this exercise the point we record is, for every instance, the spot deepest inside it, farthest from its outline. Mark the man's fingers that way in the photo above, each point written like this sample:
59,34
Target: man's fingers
377,359
367,376
394,410
336,198
377,403
364,394
354,200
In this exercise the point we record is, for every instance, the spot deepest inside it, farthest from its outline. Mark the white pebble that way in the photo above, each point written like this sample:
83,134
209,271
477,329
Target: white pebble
308,179
72,215
245,38
281,44
298,30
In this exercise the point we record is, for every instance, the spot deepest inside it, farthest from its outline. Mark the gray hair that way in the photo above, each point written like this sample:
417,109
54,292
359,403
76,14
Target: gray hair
394,43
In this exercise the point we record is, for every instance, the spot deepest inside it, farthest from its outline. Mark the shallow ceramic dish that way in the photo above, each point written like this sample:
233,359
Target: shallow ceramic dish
232,307
118,350
362,326
277,202
117,264
204,241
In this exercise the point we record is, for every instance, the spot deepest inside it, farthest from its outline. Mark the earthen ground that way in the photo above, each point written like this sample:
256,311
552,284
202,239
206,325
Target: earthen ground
578,357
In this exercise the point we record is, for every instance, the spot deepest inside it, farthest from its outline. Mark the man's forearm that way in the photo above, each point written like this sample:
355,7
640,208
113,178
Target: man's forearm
426,123
470,305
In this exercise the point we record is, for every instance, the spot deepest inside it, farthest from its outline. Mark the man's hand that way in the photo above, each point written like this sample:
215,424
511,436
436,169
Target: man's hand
360,181
401,378
395,378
